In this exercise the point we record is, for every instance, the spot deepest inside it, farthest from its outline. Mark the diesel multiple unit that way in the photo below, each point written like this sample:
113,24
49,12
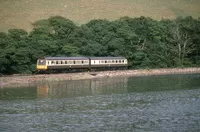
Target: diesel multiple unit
56,63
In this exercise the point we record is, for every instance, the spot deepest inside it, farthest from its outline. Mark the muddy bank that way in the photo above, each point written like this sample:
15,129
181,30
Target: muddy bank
19,81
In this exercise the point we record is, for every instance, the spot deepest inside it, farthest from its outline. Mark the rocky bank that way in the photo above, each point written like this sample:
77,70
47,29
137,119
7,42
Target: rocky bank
28,80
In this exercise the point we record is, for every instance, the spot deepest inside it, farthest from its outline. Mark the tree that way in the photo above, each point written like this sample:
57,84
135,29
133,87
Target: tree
62,27
70,50
182,41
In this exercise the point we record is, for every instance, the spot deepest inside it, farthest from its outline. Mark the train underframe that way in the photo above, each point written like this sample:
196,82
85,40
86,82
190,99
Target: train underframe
81,69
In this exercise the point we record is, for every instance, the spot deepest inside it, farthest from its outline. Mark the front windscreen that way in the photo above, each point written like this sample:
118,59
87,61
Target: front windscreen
41,62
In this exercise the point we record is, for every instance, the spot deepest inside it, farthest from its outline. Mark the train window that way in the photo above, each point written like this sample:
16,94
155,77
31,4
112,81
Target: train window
116,61
56,62
123,61
99,62
74,62
82,62
61,62
94,62
119,61
65,62
41,62
113,61
105,61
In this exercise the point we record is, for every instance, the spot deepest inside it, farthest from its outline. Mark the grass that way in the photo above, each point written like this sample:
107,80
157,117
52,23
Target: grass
22,13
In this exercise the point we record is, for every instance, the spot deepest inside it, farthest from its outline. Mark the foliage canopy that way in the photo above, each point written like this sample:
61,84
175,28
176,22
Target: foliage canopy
147,43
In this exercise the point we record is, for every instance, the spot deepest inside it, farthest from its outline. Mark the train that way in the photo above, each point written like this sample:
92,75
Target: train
81,63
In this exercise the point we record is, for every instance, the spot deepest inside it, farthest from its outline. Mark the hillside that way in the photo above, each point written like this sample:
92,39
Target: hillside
21,13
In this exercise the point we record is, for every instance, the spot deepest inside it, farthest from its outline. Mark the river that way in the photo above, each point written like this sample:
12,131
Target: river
152,103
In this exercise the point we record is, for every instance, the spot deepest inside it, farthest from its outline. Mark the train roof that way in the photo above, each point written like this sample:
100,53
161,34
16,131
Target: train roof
66,58
83,58
107,58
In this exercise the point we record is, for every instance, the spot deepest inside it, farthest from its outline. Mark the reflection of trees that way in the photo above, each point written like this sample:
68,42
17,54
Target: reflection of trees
82,88
160,83
18,93
103,86
109,85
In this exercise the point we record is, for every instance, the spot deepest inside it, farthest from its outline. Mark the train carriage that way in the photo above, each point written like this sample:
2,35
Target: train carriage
48,63
108,62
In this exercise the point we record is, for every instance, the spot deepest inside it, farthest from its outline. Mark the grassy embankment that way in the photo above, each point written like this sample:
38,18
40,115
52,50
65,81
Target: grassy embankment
21,13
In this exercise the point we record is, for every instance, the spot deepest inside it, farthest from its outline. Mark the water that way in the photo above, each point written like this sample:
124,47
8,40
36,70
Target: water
155,103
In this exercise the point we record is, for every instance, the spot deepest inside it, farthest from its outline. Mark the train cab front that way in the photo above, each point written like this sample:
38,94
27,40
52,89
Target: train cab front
41,65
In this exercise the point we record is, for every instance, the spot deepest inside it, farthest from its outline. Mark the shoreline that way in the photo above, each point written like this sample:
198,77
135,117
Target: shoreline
32,80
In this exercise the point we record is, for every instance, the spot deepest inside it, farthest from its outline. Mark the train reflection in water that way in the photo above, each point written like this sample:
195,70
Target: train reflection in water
82,88
103,86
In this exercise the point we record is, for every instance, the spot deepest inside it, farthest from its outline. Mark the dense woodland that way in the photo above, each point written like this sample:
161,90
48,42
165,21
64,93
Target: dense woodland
145,42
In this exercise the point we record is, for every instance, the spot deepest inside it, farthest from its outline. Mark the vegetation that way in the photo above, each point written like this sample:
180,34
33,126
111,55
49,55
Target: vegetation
22,13
147,43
